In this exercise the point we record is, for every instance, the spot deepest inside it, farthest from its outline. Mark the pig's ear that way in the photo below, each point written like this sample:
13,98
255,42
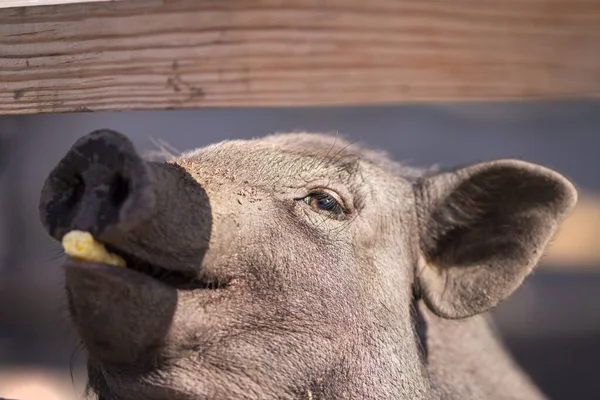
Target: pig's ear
482,229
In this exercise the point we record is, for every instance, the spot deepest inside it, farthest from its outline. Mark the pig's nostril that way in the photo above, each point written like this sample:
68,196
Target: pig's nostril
76,191
100,185
119,190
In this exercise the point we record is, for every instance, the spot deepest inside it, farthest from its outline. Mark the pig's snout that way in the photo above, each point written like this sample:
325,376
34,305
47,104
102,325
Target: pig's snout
101,184
154,212
156,216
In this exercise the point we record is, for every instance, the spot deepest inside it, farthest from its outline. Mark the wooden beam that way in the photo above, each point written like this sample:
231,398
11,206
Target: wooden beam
29,3
151,54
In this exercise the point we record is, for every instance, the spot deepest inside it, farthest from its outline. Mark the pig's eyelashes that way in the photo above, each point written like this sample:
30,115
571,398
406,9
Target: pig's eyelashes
325,202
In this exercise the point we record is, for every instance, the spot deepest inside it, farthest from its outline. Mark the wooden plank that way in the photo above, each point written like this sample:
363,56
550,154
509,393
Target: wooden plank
20,382
29,3
152,54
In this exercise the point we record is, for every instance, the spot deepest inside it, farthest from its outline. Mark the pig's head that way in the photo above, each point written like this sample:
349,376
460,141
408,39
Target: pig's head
287,266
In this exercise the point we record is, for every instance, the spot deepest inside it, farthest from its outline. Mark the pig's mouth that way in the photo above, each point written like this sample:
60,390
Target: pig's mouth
182,280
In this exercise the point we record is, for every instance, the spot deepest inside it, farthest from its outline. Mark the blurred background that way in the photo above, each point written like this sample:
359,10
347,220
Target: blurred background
552,324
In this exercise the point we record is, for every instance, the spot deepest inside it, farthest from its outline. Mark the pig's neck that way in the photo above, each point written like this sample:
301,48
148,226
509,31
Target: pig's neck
467,361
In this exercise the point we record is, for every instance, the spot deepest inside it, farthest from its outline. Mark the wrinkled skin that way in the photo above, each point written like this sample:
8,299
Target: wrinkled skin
268,290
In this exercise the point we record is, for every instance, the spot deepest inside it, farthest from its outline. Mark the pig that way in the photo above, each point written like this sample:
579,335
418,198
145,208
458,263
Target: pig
298,266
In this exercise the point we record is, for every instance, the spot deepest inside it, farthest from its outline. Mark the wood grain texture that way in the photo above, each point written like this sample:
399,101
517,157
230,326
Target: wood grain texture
30,3
151,54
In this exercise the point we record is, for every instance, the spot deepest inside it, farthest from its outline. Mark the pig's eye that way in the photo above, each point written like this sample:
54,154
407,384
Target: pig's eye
322,201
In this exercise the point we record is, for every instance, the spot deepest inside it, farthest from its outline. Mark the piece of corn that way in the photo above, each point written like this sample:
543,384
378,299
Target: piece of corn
82,245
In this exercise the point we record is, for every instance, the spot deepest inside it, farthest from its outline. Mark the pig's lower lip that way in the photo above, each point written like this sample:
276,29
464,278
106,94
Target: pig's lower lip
119,313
